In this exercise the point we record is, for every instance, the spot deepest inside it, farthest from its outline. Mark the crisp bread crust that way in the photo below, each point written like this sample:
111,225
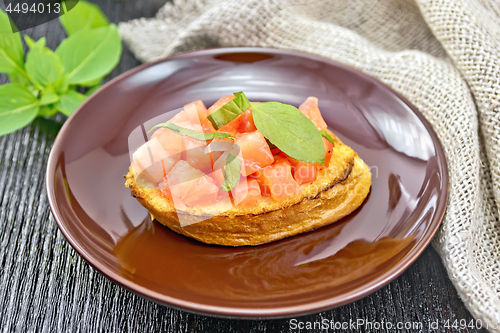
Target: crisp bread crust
337,192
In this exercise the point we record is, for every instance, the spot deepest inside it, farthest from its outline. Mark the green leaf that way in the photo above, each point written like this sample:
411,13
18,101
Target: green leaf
18,107
89,55
19,79
29,41
43,66
11,48
230,110
193,134
289,130
49,97
91,83
69,102
231,173
83,16
327,136
47,111
93,90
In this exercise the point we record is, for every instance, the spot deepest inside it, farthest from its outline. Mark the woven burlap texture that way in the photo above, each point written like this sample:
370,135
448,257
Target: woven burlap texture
443,55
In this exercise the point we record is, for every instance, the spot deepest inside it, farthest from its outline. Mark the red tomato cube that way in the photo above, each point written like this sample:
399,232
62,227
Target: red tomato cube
191,186
310,109
255,152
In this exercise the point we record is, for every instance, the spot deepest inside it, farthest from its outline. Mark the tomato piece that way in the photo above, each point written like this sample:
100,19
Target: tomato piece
218,169
194,150
220,163
173,145
191,186
328,151
220,103
246,124
255,152
303,172
151,161
310,109
180,118
172,142
246,193
241,124
197,113
215,155
277,180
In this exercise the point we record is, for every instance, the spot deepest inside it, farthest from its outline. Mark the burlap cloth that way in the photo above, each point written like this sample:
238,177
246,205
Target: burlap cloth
443,55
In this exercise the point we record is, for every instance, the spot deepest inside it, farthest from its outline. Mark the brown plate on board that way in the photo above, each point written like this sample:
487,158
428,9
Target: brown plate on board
318,270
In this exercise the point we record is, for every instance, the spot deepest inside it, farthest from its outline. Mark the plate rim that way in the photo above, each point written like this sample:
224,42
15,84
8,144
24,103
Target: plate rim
238,312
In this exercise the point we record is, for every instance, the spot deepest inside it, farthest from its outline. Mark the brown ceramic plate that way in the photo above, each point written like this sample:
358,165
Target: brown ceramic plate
318,270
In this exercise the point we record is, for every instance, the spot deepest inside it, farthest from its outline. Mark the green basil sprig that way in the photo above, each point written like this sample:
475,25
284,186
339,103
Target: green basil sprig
193,134
289,130
230,110
283,125
56,81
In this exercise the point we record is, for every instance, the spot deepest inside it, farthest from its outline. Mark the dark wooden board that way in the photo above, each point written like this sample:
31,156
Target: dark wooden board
46,287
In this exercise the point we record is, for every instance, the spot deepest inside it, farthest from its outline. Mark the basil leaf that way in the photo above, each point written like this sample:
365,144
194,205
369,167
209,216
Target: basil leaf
230,110
241,101
193,134
83,16
289,130
11,48
29,41
327,136
44,66
18,107
19,79
231,173
49,97
89,55
47,111
69,102
91,83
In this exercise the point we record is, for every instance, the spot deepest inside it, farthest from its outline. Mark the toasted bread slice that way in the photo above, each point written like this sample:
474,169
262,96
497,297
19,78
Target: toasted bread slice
337,192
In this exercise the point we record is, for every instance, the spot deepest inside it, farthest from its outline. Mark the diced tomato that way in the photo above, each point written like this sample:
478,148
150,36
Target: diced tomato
197,113
303,172
310,109
194,150
241,124
216,154
277,180
218,169
246,193
246,124
191,186
255,152
194,154
151,161
179,118
220,103
275,151
328,151
171,141
220,164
